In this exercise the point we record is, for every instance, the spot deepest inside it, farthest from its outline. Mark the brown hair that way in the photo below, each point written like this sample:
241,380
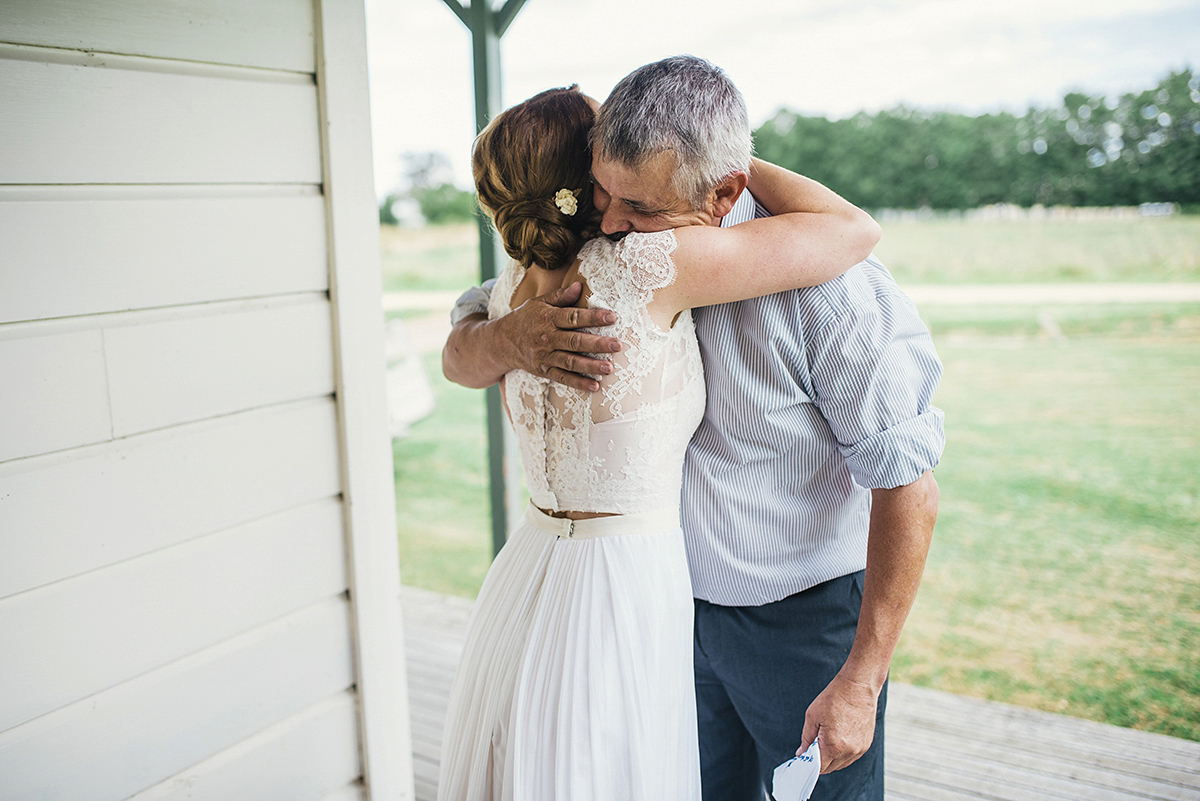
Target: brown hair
521,160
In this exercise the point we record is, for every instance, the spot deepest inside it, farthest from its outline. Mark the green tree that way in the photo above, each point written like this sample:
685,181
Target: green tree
1089,150
444,203
425,179
387,216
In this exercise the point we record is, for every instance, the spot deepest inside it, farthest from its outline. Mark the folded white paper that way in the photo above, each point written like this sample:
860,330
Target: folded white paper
795,779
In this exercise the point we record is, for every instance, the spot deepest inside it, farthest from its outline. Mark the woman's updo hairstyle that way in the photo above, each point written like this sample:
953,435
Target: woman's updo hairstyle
521,161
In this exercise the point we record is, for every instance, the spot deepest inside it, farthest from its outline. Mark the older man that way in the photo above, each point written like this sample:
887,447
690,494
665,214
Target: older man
808,497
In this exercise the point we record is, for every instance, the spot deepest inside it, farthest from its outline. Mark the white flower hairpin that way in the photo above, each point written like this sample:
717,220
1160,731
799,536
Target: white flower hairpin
566,202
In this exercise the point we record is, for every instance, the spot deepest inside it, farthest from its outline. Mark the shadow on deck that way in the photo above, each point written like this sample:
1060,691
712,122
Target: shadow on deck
941,747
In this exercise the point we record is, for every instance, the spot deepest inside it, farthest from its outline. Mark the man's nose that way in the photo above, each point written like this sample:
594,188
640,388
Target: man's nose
613,222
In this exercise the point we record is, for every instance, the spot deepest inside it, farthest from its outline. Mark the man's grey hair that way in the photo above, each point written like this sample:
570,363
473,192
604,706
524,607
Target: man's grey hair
683,104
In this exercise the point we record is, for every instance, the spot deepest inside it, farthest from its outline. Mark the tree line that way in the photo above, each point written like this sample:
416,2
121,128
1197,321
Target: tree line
1090,150
1140,147
425,188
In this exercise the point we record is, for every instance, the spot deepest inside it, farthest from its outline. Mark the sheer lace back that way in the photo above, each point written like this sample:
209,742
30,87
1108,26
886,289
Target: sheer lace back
621,449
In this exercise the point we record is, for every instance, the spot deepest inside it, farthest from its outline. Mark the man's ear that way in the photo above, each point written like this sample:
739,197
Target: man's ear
727,192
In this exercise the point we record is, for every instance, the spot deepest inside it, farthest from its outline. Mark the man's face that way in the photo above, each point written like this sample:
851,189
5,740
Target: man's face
642,199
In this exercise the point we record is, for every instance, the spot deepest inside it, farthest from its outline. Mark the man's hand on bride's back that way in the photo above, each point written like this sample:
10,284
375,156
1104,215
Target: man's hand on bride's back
541,336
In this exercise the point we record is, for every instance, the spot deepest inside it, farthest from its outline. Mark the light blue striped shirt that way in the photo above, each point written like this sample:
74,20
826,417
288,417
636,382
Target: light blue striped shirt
815,397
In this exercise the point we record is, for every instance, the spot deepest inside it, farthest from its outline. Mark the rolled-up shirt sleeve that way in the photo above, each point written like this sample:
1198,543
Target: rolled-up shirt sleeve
874,370
473,301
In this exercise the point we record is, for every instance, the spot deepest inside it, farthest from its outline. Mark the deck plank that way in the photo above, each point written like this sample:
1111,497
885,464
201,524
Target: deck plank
941,747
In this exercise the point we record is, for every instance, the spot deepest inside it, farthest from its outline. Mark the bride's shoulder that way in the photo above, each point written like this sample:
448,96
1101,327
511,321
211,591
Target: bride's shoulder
631,242
500,298
662,240
646,259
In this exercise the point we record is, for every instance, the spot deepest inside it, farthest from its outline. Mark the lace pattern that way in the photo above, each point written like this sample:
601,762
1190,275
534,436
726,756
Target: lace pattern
619,450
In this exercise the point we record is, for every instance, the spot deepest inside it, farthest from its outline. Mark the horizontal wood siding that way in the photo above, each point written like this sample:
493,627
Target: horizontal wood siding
146,730
263,768
139,372
54,393
85,250
76,124
144,613
68,513
276,34
178,608
175,371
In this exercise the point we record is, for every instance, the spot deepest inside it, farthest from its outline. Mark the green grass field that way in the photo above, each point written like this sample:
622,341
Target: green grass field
441,492
961,251
437,257
930,251
1065,571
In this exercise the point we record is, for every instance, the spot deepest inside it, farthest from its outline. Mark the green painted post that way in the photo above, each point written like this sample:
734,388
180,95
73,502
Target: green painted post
487,26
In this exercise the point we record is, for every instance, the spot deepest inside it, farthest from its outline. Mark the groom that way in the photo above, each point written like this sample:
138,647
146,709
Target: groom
808,497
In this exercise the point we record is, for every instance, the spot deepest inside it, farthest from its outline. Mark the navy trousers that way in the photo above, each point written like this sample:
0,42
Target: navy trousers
757,670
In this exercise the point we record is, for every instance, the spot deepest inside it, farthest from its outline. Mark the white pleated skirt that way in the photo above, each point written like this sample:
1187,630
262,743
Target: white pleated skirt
576,679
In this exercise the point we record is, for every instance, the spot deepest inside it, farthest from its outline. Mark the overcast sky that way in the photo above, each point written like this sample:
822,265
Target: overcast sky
828,57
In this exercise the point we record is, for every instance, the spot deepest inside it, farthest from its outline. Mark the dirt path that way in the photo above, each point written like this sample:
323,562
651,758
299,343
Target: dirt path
429,331
1054,294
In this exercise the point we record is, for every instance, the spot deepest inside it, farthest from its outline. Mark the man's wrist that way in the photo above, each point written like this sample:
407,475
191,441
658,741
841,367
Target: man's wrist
869,672
470,357
494,348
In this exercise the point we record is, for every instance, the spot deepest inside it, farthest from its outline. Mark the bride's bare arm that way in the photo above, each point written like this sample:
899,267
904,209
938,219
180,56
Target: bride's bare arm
815,235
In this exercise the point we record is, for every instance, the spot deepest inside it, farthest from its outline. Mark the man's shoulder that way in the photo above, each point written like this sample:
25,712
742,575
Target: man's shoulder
863,287
861,290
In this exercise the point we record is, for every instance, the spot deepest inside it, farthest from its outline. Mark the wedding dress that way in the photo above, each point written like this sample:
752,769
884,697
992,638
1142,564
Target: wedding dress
576,679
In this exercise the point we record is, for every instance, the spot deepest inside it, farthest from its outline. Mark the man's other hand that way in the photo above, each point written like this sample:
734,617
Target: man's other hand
842,717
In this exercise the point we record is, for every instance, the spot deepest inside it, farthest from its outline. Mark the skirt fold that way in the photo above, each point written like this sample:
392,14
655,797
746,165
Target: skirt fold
576,681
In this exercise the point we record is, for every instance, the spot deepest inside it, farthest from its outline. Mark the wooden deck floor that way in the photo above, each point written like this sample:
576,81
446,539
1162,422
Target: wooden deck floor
941,747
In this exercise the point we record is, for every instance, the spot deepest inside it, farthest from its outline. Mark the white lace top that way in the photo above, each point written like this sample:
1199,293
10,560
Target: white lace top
619,450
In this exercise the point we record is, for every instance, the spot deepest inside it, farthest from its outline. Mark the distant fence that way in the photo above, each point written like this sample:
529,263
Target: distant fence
1005,212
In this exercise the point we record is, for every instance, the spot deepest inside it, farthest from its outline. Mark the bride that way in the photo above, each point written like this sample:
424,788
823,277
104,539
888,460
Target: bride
576,677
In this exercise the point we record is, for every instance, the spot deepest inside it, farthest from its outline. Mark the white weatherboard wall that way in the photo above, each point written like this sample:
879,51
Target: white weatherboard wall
198,582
